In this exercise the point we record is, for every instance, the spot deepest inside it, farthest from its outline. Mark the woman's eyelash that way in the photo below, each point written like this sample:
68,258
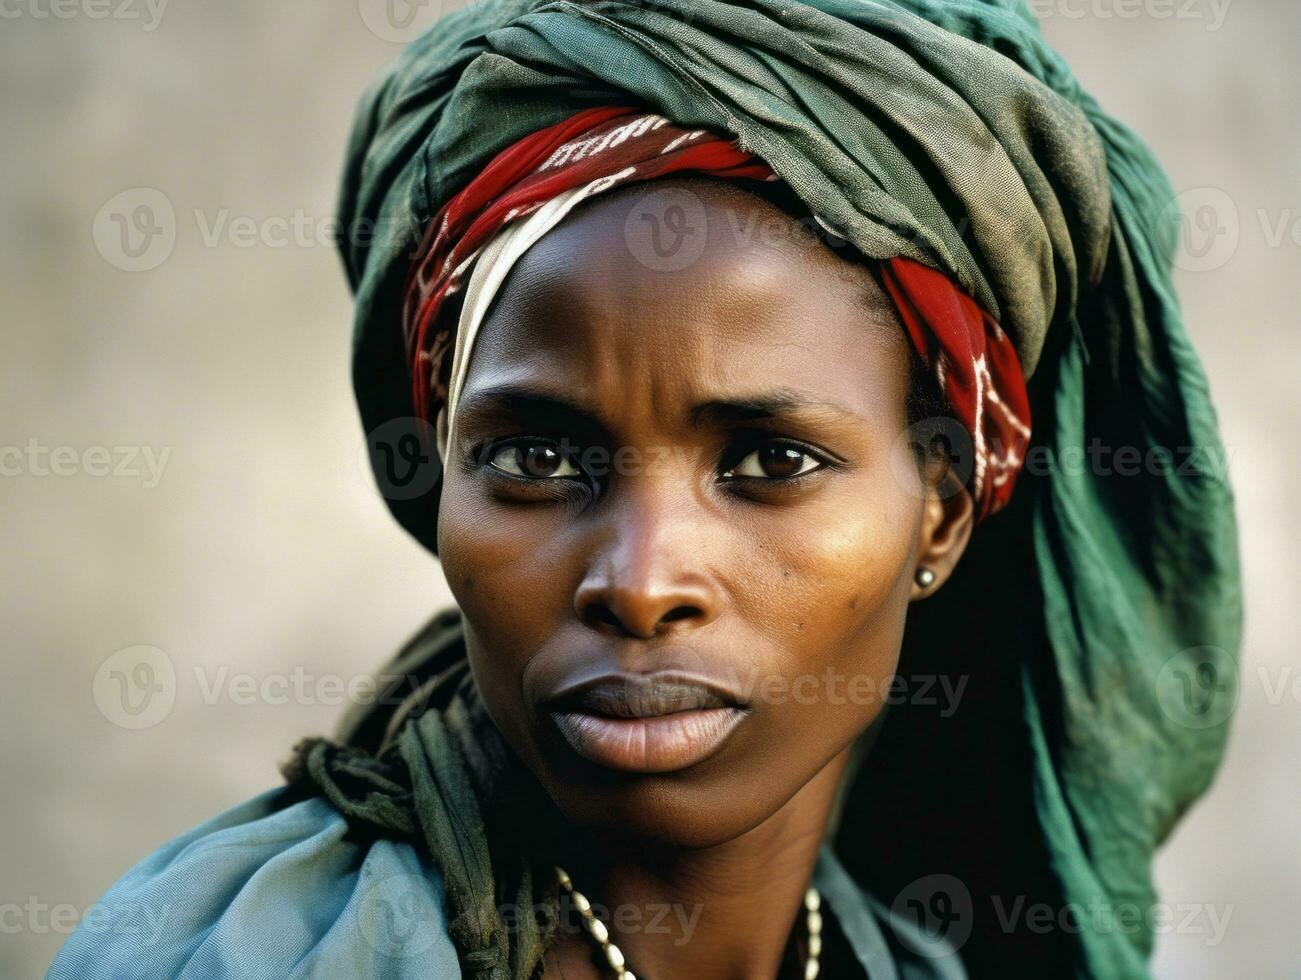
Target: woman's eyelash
784,454
539,459
530,458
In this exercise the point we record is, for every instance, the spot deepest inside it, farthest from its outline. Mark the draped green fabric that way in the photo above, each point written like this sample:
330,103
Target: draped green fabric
948,132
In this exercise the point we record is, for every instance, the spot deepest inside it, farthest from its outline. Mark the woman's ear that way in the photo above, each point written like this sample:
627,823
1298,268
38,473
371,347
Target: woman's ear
947,519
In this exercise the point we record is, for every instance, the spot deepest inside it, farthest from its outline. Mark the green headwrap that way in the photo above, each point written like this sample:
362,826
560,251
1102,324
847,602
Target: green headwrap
1099,615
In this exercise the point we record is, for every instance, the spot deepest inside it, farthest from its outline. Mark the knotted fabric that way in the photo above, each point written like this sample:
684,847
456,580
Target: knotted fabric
423,763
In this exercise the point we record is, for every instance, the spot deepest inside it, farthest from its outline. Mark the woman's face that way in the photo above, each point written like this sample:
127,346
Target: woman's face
681,517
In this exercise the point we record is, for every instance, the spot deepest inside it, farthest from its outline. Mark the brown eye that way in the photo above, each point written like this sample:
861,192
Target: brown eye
532,460
775,461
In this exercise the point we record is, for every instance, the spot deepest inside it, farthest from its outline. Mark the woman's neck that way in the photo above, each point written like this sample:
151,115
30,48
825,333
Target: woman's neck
717,913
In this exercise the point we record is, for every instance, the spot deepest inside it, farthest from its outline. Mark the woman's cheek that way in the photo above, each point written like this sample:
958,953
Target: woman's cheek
833,595
491,552
847,559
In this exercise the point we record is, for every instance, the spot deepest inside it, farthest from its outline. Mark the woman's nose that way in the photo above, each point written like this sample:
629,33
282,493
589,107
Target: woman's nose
646,575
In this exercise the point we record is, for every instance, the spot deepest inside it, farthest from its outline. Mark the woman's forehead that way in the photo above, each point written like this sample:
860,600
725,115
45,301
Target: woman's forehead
679,231
755,307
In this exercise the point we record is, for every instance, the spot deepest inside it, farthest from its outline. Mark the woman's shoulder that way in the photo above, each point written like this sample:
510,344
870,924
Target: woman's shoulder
270,888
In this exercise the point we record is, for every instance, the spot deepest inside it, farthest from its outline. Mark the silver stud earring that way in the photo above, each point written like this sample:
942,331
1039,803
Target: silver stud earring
924,577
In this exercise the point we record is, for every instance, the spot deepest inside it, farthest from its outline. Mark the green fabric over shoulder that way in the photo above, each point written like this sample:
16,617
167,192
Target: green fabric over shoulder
952,134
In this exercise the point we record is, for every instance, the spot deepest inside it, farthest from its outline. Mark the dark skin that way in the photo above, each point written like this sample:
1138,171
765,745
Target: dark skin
766,527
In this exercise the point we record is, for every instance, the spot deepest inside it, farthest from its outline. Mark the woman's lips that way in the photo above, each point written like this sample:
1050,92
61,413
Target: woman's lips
640,723
661,743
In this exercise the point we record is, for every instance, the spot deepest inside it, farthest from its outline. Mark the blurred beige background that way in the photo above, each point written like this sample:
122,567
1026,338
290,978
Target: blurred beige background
256,544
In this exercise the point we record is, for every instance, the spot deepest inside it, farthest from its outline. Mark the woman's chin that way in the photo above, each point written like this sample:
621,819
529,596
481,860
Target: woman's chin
663,810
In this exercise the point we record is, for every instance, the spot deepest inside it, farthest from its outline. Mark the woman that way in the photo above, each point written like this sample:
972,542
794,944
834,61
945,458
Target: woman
723,327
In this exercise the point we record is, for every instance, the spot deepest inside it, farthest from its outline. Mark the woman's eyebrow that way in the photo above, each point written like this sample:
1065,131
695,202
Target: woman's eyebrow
520,402
783,403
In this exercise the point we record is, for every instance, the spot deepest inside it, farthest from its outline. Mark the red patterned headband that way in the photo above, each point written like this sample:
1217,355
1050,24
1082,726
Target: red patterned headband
973,360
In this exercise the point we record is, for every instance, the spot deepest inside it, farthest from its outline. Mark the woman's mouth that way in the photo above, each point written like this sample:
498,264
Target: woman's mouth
645,723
